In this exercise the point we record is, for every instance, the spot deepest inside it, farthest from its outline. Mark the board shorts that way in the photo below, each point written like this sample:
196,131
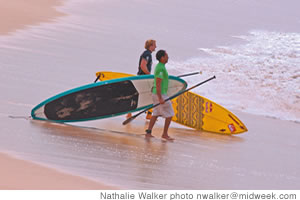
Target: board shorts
164,110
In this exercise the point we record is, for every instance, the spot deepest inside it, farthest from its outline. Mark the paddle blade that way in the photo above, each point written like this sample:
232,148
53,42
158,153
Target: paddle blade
129,120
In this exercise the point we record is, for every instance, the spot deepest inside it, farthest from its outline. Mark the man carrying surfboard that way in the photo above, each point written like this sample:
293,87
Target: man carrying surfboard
159,93
145,64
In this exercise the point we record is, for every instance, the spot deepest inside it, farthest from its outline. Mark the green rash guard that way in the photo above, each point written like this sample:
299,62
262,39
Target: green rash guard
161,72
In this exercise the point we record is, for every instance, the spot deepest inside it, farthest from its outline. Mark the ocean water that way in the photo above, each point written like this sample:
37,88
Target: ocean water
260,76
257,69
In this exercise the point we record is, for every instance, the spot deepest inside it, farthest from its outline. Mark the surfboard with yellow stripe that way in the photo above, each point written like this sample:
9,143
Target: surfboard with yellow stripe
195,111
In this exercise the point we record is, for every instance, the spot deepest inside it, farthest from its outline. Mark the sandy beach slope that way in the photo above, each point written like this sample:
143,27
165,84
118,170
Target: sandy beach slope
16,14
20,174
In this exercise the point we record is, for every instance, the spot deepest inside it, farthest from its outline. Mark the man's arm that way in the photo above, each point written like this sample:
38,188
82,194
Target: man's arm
144,66
158,90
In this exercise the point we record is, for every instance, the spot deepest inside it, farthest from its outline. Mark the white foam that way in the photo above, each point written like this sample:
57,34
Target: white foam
259,77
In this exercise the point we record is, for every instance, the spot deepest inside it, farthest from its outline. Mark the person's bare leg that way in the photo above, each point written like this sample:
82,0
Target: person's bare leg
166,128
151,125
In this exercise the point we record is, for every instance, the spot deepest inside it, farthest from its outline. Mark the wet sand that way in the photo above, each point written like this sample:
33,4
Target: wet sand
21,174
263,158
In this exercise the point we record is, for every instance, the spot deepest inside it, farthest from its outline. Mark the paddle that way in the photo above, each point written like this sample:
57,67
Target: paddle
172,97
98,77
183,75
190,74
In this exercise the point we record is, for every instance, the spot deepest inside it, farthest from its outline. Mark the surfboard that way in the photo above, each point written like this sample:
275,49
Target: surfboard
195,111
107,75
102,99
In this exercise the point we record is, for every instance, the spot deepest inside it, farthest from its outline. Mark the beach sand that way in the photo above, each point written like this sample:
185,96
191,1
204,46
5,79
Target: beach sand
52,59
21,174
16,14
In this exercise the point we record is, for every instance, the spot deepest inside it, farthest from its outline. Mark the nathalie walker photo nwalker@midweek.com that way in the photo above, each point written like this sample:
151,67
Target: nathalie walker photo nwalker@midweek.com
184,195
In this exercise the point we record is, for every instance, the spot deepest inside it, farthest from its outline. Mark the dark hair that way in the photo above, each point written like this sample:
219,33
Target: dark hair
160,54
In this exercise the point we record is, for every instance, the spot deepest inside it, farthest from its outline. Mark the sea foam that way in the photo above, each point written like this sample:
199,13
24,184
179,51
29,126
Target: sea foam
260,76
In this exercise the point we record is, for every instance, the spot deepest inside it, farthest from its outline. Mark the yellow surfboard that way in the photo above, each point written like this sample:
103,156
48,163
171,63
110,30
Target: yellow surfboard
104,76
195,111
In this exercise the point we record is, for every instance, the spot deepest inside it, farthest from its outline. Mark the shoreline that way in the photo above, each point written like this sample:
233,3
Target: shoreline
16,15
221,160
18,174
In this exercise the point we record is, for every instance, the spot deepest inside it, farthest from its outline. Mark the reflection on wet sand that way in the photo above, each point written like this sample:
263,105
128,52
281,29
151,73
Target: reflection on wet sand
123,139
202,135
111,150
121,154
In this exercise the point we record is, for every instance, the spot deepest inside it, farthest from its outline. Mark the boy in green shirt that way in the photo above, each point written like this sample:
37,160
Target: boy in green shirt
159,93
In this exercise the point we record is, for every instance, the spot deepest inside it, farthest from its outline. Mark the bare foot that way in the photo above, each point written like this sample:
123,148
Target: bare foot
168,138
147,135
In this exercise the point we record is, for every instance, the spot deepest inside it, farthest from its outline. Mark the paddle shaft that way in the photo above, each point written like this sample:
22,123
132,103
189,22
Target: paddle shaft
172,97
97,78
190,74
